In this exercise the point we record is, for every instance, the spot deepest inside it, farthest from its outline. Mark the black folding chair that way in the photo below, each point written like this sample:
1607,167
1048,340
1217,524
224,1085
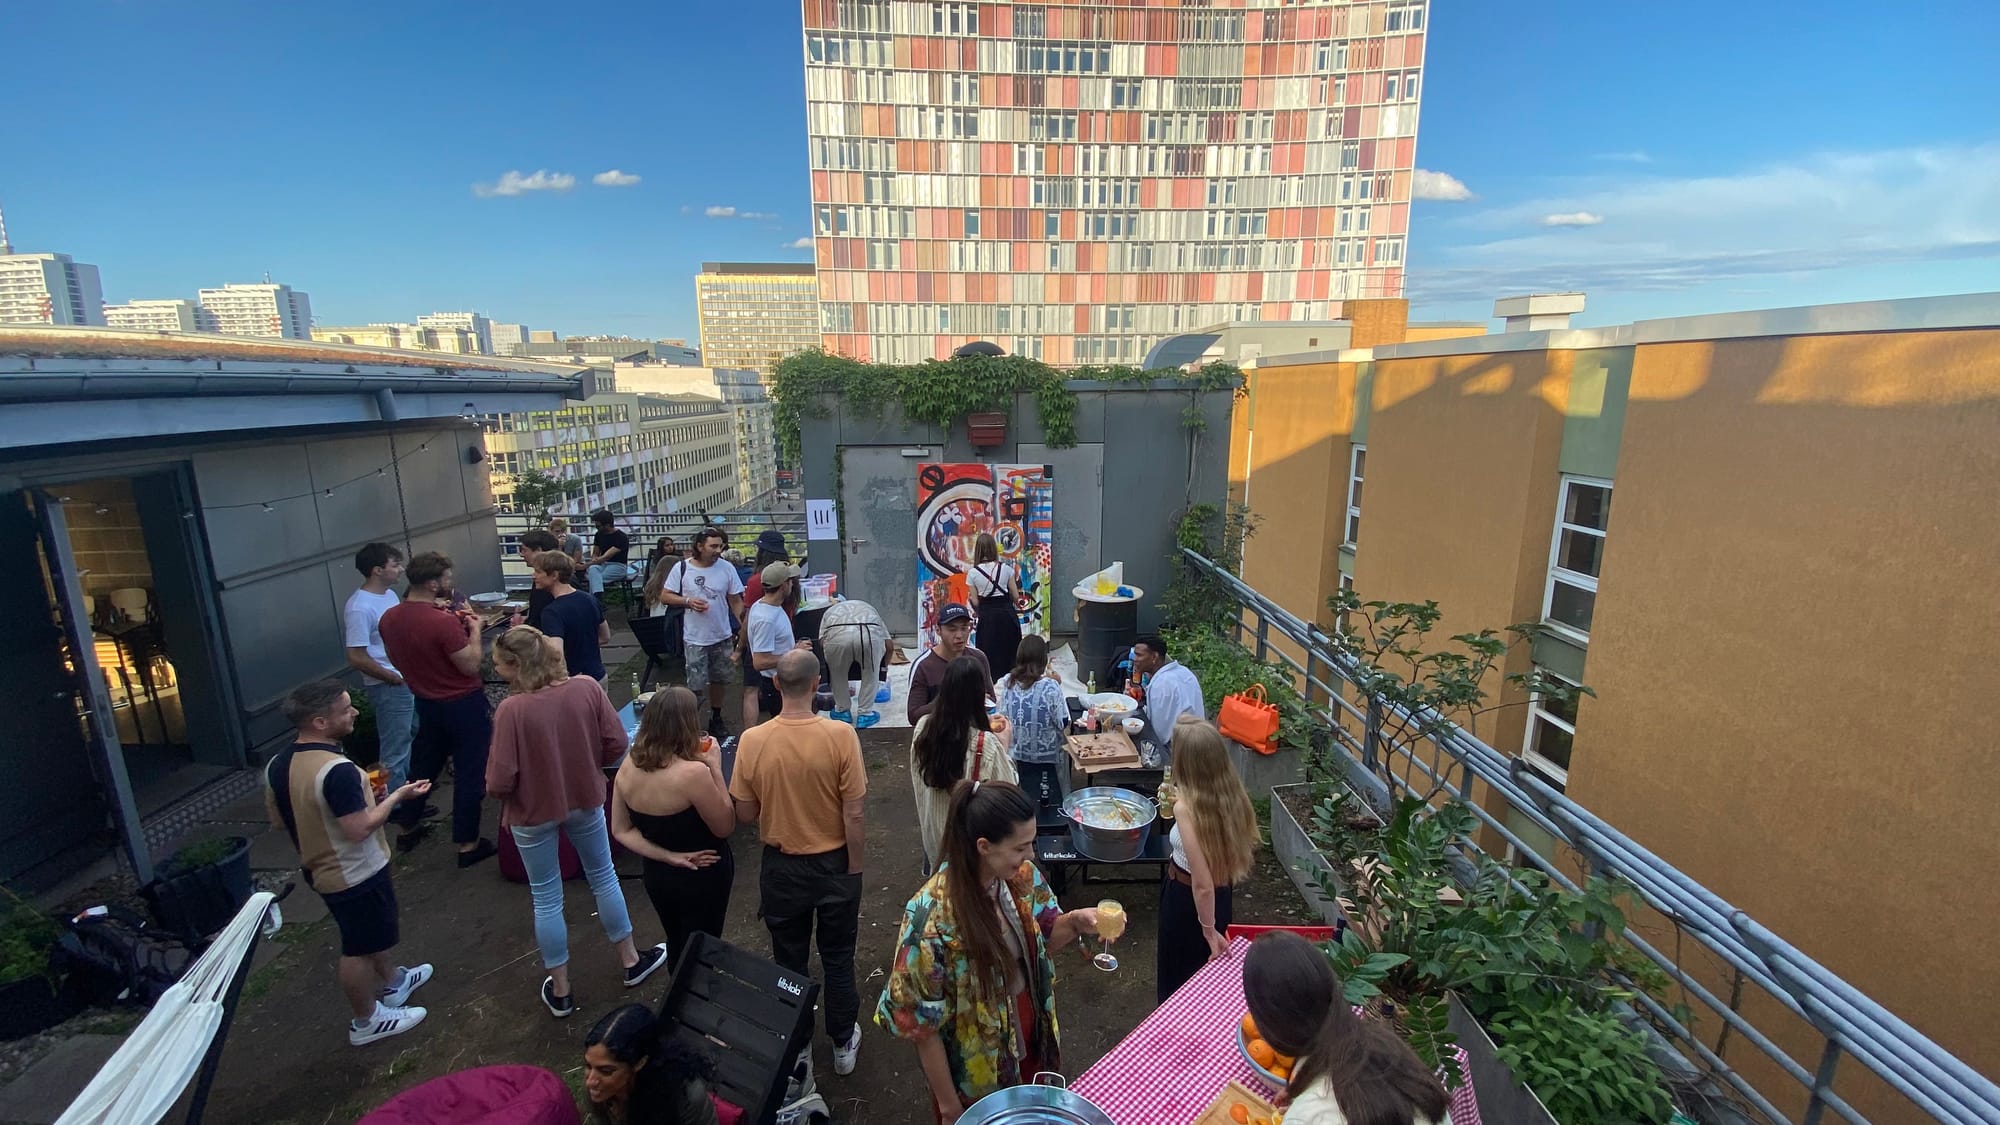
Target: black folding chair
750,1015
656,637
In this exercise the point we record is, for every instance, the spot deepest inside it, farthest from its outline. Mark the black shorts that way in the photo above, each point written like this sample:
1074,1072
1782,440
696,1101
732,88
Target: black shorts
769,701
751,676
366,915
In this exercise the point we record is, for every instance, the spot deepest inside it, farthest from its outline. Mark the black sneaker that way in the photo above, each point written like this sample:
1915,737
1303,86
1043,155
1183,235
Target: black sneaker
411,836
484,851
561,1007
718,728
649,961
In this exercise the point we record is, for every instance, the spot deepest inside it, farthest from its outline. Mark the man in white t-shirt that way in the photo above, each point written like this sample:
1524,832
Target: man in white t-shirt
712,594
770,634
395,709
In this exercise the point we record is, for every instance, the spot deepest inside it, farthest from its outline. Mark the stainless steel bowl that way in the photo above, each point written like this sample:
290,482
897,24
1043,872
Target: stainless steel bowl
1109,824
1034,1105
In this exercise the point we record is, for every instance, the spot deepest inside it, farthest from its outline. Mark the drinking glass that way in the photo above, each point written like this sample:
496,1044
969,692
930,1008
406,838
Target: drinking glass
1110,927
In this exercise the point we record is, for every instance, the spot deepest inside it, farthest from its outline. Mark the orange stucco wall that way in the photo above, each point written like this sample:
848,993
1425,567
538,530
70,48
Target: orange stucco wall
1293,440
1793,651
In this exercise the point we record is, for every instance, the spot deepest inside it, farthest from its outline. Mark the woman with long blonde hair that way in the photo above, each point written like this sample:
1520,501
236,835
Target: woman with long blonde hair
1213,842
552,739
670,807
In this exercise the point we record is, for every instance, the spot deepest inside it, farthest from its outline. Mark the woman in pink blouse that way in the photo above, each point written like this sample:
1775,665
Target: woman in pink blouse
552,739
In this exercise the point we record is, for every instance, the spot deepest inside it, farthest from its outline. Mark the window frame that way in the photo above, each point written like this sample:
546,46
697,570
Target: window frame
1537,714
1559,573
1357,454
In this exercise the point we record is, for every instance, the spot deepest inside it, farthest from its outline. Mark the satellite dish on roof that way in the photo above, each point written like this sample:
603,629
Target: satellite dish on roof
978,347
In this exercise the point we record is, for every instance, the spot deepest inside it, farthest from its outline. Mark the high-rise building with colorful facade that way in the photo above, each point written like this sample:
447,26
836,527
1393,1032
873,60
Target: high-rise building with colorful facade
1077,181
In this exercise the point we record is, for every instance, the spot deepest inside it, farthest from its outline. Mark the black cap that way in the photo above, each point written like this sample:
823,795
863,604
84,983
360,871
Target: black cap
771,541
953,612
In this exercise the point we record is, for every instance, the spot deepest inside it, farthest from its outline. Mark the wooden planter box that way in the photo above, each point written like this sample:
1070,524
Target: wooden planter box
1501,1096
1302,861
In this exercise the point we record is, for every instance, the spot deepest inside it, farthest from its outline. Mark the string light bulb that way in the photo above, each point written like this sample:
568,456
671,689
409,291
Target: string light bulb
267,507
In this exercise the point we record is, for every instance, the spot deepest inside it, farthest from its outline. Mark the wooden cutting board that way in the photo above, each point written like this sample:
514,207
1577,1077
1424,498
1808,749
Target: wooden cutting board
1102,750
1256,1109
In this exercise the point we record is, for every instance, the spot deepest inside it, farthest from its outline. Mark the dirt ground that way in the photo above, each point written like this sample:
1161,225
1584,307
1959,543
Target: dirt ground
287,1058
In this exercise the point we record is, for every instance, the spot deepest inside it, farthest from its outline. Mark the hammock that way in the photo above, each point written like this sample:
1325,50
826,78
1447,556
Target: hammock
143,1080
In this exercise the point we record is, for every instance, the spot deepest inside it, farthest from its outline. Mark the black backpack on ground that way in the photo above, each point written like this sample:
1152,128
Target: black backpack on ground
112,955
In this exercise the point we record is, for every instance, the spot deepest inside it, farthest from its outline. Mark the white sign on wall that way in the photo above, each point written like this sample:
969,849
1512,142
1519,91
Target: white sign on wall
820,521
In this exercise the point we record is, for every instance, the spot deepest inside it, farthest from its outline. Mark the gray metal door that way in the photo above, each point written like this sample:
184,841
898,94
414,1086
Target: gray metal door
1078,473
878,530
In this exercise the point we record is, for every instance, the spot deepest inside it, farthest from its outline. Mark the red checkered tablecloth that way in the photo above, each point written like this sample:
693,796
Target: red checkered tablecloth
1173,1064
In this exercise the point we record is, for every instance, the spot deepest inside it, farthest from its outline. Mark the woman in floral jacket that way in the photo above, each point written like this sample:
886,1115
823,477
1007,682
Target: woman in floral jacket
972,983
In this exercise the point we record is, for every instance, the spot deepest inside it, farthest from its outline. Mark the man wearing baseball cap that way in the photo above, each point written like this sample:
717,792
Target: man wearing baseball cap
770,633
770,548
954,629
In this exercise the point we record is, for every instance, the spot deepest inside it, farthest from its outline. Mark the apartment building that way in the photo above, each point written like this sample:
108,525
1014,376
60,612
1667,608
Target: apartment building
177,314
1078,181
49,289
264,309
478,328
743,393
1765,541
632,452
408,337
756,313
506,337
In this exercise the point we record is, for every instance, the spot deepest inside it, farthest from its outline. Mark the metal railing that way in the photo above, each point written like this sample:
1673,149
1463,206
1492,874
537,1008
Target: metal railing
645,528
1846,1021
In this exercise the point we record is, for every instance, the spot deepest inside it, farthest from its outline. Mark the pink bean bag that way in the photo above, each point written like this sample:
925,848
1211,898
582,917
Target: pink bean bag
488,1095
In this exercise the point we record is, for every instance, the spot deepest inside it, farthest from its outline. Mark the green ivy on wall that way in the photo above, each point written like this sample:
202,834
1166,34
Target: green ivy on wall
942,392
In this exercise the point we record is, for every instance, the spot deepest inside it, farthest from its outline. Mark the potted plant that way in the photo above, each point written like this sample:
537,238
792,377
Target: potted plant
201,887
30,1000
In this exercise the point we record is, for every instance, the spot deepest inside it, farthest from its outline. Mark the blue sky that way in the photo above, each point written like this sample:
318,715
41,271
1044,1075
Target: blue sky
1716,156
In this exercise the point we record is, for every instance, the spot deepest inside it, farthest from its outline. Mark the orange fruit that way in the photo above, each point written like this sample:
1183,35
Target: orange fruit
1261,1121
1249,1027
1284,1060
1240,1114
1261,1053
1283,1070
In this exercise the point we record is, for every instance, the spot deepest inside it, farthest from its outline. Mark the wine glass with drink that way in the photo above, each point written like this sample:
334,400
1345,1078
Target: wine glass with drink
1110,927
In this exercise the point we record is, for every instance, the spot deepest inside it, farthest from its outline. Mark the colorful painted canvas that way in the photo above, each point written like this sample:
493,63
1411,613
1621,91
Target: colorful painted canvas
955,504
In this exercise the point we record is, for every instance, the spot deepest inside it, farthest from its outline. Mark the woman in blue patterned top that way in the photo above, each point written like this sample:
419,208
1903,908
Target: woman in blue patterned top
1032,700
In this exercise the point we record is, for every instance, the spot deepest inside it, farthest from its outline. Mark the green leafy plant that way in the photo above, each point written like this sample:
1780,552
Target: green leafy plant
1426,1023
1361,970
202,853
27,937
538,491
1586,1064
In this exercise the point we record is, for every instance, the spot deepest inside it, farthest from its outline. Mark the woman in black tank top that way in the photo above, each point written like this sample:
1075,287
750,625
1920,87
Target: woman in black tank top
997,586
671,807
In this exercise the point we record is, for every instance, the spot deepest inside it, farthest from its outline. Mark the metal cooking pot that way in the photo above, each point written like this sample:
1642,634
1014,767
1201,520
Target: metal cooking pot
1047,1102
1105,843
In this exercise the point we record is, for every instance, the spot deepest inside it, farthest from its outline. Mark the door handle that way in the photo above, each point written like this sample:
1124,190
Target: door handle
856,542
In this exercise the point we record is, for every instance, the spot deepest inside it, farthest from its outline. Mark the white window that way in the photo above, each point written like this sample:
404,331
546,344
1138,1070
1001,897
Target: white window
1551,730
1583,512
1340,620
1355,465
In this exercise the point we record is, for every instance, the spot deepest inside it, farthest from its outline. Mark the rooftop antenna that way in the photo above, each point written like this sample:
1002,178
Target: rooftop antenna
6,247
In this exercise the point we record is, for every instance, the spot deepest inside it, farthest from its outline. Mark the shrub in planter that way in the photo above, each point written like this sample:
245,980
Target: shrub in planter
29,999
201,887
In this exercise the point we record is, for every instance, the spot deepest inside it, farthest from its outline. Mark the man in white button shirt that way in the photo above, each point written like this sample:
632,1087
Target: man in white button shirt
1172,690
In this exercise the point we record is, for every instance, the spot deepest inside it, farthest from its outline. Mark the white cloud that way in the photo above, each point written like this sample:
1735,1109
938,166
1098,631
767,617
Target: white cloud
733,213
514,183
1572,219
1439,186
1637,156
805,243
614,178
1826,212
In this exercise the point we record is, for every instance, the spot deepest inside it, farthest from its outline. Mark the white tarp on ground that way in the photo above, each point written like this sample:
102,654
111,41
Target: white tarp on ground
143,1080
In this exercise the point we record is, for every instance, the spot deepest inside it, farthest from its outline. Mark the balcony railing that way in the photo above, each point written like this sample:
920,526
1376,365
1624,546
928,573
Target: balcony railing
645,528
1846,1022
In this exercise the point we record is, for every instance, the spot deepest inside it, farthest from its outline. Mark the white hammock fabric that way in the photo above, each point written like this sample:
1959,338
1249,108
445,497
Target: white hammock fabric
147,1075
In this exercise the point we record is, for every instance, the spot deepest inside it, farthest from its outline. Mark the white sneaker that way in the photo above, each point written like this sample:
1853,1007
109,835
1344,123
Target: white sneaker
414,977
385,1022
844,1054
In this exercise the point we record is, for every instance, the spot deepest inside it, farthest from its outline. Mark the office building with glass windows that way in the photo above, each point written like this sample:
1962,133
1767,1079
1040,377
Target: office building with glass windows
756,313
1078,181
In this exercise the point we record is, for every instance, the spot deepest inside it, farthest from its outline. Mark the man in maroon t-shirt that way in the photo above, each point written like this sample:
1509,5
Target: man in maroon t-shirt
438,652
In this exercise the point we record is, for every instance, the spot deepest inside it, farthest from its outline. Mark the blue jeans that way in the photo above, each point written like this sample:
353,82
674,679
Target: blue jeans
541,854
598,575
395,725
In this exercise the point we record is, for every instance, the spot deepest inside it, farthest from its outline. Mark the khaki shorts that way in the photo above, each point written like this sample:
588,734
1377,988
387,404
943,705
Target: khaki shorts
709,664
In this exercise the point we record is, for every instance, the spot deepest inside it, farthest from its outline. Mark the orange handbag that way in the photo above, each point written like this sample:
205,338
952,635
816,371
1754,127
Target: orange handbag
1247,717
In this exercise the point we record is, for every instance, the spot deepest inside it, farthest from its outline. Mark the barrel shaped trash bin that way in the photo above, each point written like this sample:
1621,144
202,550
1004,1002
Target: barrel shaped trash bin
1105,629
